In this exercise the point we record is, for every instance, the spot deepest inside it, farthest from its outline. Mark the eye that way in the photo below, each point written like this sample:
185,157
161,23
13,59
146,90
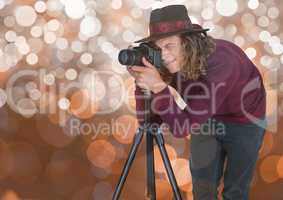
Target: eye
170,46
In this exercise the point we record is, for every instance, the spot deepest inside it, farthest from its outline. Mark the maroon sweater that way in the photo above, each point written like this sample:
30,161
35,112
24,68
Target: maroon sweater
232,91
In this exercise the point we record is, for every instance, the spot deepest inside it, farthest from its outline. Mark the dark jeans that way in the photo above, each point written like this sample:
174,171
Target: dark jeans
239,146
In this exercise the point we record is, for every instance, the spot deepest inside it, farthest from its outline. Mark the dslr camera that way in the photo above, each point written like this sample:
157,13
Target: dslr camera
133,55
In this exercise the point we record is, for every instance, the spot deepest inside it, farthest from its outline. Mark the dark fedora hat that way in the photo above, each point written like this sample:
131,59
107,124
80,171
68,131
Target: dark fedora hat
168,21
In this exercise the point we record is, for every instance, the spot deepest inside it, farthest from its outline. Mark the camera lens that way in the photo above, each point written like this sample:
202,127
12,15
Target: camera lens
130,57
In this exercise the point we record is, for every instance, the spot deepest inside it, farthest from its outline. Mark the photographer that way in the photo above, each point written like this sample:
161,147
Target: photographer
205,80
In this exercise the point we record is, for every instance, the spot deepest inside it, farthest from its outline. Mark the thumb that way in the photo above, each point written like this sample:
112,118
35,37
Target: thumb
146,63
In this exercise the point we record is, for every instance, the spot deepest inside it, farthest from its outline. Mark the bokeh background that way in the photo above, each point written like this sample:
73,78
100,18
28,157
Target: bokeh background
67,110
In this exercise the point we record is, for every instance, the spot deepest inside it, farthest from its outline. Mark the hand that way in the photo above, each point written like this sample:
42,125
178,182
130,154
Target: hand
147,77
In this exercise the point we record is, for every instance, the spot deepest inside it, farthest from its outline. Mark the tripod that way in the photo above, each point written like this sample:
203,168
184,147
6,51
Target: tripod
151,133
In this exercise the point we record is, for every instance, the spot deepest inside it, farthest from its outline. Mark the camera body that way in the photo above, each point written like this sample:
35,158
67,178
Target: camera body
133,56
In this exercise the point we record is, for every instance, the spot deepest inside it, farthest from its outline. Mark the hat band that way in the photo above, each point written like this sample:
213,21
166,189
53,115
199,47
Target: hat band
167,27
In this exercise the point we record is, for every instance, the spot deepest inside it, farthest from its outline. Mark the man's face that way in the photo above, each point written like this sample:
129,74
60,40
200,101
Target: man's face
172,52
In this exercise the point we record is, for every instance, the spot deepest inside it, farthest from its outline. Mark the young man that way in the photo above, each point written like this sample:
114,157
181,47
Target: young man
210,89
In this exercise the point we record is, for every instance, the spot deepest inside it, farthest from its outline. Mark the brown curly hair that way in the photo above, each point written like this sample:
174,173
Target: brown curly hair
196,47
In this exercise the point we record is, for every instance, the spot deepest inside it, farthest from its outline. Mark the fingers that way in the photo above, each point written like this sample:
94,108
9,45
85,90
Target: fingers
146,63
138,69
134,74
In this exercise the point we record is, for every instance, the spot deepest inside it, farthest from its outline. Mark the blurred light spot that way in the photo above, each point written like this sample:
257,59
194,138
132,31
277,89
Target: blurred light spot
273,27
90,26
34,94
25,15
51,133
65,55
160,4
264,36
32,59
59,117
207,13
267,145
248,20
94,85
116,4
71,126
53,6
10,195
3,97
281,59
107,47
125,129
251,52
114,103
22,45
64,103
113,30
82,105
83,37
217,31
49,37
182,172
2,4
239,40
163,189
263,21
130,89
75,9
9,21
53,25
71,74
49,79
136,12
101,153
194,19
10,36
127,21
265,60
158,161
128,36
226,7
268,171
260,10
273,12
77,46
86,58
26,107
36,31
36,45
145,4
231,29
62,43
273,40
40,6
253,4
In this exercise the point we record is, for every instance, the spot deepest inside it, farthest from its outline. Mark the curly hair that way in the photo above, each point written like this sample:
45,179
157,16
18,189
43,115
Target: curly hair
196,47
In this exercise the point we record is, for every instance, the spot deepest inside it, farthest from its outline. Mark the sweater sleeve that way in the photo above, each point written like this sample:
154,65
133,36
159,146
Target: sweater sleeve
203,98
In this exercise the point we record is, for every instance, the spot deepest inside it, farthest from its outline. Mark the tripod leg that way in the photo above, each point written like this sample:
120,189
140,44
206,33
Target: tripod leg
160,141
151,193
137,140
